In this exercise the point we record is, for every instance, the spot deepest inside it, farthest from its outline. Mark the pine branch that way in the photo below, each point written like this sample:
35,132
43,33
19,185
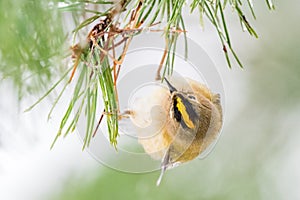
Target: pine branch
96,64
31,44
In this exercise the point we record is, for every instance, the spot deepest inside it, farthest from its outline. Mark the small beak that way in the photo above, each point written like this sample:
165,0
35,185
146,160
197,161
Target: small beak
171,88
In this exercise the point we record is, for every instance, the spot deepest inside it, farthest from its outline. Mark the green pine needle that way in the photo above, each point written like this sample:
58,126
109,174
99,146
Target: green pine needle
94,75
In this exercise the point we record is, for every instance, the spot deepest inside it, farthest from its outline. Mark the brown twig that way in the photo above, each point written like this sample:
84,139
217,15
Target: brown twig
162,61
132,24
99,122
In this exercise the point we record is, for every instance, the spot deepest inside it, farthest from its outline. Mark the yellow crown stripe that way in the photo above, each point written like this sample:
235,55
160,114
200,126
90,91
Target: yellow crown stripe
182,109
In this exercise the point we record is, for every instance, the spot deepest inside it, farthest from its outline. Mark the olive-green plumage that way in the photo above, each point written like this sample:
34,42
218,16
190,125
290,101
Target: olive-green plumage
187,122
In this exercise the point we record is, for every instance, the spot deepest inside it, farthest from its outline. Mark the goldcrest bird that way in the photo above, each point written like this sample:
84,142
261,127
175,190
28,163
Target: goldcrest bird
175,124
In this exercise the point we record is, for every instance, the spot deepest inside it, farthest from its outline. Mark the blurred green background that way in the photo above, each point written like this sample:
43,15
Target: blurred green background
257,156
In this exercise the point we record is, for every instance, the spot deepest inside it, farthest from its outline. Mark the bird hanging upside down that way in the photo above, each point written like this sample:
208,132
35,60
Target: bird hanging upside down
175,124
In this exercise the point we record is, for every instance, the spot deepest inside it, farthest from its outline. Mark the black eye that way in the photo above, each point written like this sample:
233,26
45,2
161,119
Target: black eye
191,97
